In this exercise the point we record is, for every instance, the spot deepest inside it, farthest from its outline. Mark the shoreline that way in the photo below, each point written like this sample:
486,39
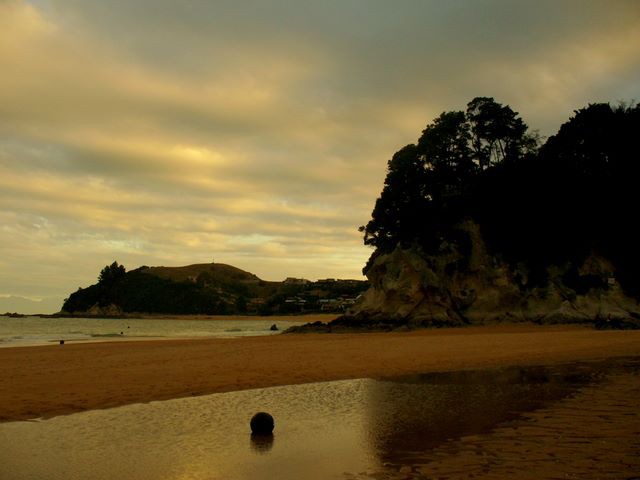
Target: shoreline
20,332
310,317
46,381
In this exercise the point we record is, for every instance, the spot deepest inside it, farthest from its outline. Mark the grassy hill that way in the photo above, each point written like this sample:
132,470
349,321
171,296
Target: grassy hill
192,272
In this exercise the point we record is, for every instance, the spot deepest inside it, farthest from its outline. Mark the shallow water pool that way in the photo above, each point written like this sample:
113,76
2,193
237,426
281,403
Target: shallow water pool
344,429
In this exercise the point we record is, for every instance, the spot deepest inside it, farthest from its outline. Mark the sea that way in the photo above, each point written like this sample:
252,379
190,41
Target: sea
32,331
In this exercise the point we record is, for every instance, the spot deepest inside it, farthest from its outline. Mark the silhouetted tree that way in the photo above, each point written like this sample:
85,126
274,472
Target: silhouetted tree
111,274
446,156
427,184
403,196
498,133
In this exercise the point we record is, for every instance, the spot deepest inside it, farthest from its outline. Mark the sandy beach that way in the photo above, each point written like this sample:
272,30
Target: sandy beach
54,380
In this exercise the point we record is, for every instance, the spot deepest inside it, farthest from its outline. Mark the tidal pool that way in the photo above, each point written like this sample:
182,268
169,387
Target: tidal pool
341,429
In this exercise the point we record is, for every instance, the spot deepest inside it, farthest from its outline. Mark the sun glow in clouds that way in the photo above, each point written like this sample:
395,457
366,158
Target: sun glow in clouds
167,134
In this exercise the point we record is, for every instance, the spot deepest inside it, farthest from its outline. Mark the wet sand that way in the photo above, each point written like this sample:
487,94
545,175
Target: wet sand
592,434
54,380
595,434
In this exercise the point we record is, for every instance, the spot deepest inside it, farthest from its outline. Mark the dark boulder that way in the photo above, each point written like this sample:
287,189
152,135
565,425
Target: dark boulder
262,424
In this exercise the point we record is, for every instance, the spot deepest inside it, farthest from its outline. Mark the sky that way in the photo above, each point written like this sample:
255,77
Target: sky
256,133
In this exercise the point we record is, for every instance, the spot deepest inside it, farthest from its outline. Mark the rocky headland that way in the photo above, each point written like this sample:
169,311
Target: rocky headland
477,223
410,289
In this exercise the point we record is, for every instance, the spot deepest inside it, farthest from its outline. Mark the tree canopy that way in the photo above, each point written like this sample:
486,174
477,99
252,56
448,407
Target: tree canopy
540,205
427,183
111,274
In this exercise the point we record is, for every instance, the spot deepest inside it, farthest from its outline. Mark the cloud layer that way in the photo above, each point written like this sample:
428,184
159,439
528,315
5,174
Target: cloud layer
256,134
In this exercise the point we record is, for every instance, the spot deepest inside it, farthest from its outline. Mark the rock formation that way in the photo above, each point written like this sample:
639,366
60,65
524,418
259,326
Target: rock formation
449,288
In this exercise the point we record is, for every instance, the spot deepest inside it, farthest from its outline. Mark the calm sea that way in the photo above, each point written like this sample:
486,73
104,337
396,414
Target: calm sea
26,331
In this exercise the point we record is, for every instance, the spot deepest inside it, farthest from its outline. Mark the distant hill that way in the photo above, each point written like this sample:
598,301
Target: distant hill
210,289
190,272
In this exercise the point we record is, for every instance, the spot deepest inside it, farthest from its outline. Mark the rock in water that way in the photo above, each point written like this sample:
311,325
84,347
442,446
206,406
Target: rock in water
262,424
273,328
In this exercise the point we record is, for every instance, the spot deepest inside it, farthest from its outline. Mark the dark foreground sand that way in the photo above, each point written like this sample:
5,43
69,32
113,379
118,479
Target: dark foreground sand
54,380
594,434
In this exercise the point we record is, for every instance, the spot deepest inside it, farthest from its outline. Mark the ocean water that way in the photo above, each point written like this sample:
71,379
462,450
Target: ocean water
365,428
46,331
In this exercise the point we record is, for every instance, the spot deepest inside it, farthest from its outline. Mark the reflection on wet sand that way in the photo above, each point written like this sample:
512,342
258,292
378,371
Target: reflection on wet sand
410,415
533,422
262,443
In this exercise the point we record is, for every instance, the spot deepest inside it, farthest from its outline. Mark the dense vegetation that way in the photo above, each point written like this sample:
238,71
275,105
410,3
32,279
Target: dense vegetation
537,205
207,289
137,291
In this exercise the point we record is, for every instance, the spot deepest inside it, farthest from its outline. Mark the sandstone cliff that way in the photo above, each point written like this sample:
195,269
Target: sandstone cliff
456,287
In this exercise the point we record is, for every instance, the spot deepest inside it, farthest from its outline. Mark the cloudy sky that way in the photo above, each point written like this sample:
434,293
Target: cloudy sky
256,133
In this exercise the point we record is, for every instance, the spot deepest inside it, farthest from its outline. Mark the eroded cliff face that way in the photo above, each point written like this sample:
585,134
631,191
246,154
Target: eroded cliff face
97,311
456,287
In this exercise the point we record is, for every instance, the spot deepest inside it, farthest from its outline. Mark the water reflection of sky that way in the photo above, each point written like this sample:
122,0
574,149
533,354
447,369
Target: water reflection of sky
322,430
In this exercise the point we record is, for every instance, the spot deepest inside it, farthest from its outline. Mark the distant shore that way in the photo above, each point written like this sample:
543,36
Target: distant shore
61,379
